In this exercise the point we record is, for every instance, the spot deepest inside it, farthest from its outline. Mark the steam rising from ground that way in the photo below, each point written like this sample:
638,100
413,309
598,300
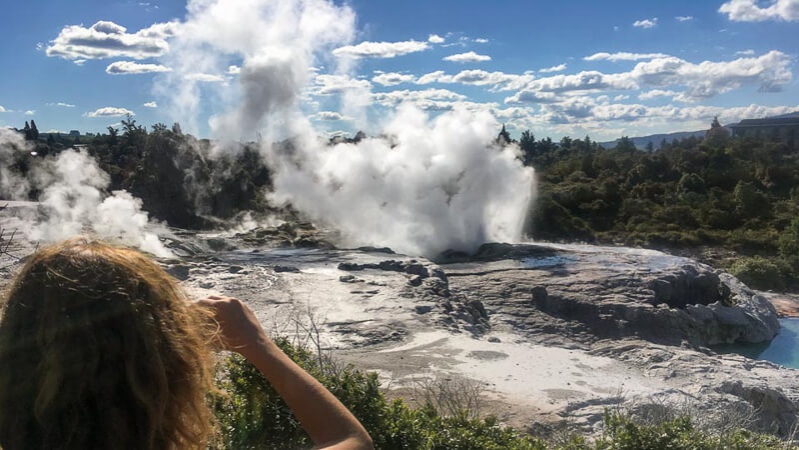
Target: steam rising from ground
432,184
73,199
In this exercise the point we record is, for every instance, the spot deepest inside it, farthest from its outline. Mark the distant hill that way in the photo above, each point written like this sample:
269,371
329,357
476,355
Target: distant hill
641,142
656,139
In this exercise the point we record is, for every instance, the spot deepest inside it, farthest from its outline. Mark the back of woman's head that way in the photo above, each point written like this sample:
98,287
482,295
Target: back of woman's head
100,349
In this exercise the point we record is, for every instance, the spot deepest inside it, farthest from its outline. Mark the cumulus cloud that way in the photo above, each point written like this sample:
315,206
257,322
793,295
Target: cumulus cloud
395,98
558,68
436,39
481,41
707,79
750,11
689,82
380,49
684,18
393,79
468,57
233,70
655,93
106,39
498,81
110,111
623,56
30,112
531,97
2,110
326,84
748,52
646,23
151,105
329,116
130,67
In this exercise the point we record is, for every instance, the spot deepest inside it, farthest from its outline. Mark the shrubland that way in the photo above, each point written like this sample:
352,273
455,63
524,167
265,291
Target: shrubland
251,415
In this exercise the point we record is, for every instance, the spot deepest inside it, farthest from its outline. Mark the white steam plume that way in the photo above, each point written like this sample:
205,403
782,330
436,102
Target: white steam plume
12,145
431,185
74,202
73,199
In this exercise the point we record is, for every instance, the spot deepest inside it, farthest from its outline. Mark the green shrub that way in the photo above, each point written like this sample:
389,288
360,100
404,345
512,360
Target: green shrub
760,273
252,416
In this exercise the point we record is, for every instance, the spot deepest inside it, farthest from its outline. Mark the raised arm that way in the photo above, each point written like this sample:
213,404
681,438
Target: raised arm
328,423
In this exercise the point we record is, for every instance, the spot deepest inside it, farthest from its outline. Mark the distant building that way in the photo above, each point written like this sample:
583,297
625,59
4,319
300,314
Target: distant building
784,129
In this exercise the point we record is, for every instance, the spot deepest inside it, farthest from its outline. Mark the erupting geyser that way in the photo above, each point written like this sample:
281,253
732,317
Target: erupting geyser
425,186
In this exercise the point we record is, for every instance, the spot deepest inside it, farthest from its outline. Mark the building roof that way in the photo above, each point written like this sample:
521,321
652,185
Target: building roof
774,122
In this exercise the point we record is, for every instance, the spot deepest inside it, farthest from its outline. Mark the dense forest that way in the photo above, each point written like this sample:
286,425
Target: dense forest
729,201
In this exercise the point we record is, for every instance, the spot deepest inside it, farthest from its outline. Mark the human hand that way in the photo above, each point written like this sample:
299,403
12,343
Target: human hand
239,329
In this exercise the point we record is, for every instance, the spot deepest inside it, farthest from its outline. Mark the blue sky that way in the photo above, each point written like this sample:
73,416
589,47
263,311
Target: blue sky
569,67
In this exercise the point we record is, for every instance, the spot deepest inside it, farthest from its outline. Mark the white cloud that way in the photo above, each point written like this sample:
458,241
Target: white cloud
2,110
110,111
130,67
393,79
623,56
748,52
646,23
531,97
380,49
106,39
689,82
654,93
326,84
468,57
558,68
498,81
205,77
481,41
62,104
428,99
684,18
329,116
30,112
750,11
435,39
708,79
151,105
233,70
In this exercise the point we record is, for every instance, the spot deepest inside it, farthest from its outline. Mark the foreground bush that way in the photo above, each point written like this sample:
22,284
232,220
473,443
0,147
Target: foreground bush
252,416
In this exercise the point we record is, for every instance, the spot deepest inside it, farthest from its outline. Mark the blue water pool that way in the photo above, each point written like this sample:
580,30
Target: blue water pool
783,349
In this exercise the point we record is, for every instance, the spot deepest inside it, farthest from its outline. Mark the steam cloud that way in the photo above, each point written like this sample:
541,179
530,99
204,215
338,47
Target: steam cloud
73,199
430,185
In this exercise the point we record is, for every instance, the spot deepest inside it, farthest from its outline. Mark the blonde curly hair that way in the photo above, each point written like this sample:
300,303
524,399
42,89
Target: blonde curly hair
99,348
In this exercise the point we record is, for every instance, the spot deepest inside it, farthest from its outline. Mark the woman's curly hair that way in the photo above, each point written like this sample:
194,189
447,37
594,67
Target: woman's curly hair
99,348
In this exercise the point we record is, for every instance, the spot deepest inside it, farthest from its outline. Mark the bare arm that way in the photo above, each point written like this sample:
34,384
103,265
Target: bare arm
329,424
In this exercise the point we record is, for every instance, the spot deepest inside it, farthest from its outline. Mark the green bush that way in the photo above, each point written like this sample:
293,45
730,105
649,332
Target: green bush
760,273
252,416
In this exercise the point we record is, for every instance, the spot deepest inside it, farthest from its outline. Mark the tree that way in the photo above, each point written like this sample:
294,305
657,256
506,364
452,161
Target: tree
34,131
503,138
717,134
